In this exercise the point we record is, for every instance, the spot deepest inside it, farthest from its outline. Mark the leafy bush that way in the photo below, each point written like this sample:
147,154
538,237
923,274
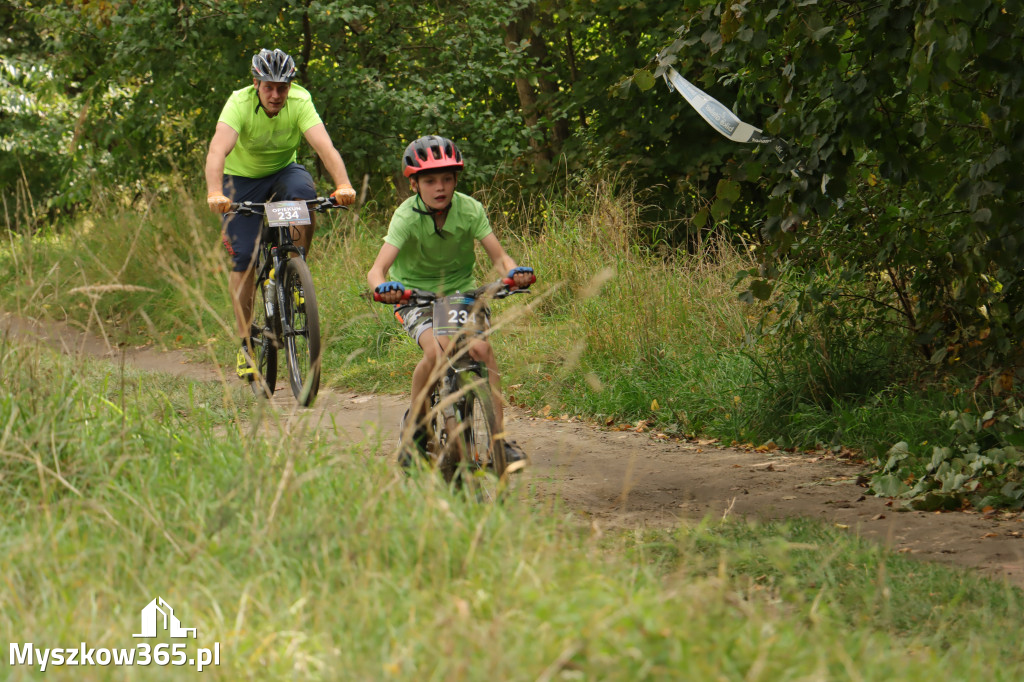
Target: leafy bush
903,116
984,467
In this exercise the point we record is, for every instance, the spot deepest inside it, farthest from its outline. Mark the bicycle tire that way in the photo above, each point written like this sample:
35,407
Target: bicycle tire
437,442
264,343
484,462
302,335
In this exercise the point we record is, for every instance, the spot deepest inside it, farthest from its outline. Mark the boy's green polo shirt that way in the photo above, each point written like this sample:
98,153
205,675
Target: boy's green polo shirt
427,261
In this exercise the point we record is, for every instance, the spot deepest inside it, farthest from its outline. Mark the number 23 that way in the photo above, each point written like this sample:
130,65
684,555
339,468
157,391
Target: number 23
460,317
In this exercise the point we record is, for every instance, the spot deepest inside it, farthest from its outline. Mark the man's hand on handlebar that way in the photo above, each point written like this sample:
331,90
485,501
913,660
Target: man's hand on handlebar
344,195
218,203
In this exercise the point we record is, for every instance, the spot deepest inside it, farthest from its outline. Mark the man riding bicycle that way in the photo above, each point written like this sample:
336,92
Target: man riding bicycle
252,158
430,245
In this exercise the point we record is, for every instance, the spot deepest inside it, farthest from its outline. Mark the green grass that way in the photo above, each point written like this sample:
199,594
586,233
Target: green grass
309,557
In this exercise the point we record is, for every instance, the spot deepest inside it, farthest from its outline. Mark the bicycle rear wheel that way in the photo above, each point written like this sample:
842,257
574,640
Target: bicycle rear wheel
264,342
301,331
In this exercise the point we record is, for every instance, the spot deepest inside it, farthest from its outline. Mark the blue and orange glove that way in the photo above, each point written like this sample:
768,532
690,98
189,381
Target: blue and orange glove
525,280
386,288
344,195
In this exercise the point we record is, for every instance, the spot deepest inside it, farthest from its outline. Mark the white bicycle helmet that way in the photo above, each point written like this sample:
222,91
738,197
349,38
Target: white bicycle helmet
273,65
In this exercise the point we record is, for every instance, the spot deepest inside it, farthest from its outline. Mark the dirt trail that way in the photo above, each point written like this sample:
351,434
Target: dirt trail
629,479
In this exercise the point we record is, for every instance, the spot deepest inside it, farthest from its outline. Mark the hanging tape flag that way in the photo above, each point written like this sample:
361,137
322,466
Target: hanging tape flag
720,117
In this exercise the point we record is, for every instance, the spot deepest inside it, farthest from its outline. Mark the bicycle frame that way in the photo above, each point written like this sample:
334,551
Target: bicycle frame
463,449
280,261
452,399
276,251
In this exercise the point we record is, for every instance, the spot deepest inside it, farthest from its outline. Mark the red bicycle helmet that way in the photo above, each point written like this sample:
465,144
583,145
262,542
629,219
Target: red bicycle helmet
430,153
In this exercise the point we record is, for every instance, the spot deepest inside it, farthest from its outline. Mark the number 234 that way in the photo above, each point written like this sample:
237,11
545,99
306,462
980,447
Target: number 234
461,317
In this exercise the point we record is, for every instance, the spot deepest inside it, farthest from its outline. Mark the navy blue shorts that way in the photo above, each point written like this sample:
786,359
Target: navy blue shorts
241,232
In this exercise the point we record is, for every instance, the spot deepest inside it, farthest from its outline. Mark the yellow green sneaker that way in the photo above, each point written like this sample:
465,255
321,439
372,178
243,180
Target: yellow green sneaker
244,366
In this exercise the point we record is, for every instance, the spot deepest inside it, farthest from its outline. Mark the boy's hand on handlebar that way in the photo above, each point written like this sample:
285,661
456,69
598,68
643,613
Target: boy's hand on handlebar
521,277
218,203
389,292
344,195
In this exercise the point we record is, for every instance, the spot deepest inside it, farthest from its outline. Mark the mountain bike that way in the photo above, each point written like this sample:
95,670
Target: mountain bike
463,441
285,315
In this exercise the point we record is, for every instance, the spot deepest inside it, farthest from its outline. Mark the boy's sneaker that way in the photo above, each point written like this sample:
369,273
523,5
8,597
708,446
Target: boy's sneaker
419,444
244,366
514,455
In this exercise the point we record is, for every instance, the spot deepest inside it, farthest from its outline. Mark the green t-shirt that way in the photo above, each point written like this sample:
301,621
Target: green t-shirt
427,261
266,145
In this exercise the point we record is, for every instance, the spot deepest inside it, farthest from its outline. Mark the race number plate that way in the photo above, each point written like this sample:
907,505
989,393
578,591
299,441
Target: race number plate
283,213
457,313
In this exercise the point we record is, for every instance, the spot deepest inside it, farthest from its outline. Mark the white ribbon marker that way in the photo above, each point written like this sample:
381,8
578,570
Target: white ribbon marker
720,117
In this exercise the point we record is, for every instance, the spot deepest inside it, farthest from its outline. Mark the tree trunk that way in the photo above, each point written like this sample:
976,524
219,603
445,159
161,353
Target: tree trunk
514,32
533,106
307,46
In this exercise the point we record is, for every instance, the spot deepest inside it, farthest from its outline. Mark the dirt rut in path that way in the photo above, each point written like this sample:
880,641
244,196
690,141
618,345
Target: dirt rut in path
627,479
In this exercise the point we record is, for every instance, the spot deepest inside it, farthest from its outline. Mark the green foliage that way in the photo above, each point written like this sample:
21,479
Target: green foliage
983,467
782,555
522,86
38,135
898,208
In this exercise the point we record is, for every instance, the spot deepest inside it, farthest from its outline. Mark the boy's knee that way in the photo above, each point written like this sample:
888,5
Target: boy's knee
430,357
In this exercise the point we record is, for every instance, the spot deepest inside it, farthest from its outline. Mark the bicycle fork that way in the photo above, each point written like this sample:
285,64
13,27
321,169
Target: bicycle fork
455,409
275,275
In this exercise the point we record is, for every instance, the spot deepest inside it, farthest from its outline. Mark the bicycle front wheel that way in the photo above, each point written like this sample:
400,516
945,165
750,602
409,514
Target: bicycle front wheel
301,328
263,337
484,453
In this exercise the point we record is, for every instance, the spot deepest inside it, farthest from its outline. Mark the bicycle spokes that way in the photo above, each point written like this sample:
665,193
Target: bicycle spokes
301,331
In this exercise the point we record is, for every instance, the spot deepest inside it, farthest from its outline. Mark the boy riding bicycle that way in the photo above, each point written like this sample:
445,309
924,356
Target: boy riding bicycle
430,245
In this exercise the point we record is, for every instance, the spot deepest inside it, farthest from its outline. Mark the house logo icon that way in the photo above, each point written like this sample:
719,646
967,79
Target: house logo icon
151,621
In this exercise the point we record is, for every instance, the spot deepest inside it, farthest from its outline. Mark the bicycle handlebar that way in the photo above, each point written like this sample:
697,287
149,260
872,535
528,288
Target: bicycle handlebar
320,204
500,289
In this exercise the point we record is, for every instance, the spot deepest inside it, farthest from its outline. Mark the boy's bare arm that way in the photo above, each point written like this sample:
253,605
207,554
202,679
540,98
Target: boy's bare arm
378,273
504,262
499,257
